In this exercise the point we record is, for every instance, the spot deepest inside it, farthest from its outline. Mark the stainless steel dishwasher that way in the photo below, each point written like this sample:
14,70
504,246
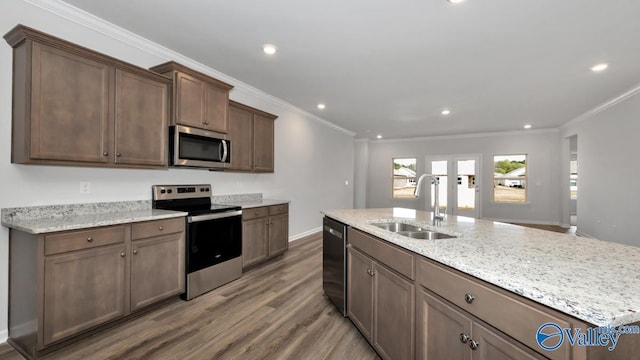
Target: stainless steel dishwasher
334,262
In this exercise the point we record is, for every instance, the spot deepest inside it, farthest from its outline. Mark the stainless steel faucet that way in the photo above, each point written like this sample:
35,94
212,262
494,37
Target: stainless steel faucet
436,198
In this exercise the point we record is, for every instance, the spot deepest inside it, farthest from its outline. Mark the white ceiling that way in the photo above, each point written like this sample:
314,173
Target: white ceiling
390,67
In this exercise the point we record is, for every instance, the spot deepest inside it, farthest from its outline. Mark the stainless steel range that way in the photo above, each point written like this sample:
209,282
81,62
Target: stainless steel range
214,236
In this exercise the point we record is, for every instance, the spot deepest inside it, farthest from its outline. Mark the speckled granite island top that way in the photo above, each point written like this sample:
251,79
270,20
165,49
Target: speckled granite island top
592,280
53,218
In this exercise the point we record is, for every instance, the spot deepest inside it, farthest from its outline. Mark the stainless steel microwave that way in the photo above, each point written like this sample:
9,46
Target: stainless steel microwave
193,147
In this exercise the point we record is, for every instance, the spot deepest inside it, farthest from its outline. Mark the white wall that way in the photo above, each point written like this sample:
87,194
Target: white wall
543,166
306,149
608,195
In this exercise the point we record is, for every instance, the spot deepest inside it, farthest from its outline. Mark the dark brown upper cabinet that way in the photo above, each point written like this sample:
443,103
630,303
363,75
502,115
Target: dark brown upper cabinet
198,100
74,106
252,138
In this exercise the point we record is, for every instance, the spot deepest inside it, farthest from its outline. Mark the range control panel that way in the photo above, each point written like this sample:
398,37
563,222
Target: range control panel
169,192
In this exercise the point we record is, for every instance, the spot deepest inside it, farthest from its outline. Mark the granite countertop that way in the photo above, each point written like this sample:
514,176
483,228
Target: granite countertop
48,219
593,280
246,201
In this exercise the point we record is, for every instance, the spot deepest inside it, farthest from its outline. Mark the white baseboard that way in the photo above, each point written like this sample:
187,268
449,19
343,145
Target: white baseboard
4,334
522,221
581,234
306,233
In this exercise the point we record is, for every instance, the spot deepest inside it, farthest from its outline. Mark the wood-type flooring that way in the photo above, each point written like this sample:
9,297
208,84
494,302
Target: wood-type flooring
275,311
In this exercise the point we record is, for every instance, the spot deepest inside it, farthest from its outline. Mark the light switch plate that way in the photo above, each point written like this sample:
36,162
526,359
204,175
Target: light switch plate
85,187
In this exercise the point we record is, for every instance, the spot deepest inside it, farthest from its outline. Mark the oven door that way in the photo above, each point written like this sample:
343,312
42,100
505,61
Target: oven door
212,239
193,147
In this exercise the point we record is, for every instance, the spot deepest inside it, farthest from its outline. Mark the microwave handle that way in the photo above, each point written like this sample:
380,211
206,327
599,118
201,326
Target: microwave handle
224,150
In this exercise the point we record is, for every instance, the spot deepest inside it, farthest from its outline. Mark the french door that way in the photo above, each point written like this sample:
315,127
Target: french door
459,190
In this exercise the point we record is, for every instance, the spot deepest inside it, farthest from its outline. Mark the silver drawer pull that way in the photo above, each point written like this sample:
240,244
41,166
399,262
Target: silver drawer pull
473,344
469,298
122,254
135,251
90,239
464,338
160,228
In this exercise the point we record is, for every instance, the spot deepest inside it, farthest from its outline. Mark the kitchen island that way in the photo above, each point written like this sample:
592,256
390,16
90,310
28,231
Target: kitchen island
581,282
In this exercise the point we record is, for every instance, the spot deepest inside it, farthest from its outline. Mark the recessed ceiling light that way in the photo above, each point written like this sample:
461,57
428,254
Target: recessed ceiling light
379,136
455,1
599,67
321,106
527,126
446,112
269,49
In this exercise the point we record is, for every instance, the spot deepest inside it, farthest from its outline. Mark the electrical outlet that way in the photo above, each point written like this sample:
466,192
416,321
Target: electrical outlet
85,187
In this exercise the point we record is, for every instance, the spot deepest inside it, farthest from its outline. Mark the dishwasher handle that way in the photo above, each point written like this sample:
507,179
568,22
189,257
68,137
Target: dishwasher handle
333,232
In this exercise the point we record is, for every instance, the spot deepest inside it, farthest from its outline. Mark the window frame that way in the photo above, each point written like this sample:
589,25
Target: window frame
393,176
524,179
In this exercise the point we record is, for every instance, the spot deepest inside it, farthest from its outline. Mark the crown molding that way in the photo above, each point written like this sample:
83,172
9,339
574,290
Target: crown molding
604,106
467,136
118,33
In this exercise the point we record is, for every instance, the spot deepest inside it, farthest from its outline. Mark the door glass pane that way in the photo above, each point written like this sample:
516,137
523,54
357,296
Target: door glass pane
439,168
466,187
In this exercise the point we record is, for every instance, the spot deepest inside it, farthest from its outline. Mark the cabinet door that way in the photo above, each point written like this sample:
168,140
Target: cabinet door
360,291
157,269
141,120
83,289
254,241
69,107
393,314
278,234
216,108
493,345
439,328
263,135
241,136
189,100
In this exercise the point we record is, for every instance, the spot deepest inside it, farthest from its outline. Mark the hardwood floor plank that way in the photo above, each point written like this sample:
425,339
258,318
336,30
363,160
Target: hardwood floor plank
275,311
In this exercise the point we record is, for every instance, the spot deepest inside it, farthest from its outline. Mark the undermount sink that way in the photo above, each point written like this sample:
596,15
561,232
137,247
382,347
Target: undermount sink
398,227
412,231
426,235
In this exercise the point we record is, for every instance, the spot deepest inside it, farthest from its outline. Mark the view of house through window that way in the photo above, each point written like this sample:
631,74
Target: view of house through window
510,178
404,177
573,185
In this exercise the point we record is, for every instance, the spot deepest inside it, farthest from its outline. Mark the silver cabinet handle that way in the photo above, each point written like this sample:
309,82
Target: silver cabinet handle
106,153
464,338
160,228
469,298
135,251
122,254
118,154
90,239
473,344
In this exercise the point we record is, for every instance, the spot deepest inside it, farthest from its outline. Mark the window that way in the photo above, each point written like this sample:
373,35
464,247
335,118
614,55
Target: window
573,180
404,178
510,178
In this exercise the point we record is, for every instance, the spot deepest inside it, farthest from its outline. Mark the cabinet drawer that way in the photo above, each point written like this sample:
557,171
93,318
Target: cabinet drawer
83,239
518,317
278,209
156,227
254,213
399,260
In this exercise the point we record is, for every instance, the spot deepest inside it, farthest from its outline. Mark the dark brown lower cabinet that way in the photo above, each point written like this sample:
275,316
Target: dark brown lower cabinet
265,233
445,332
83,289
380,303
67,283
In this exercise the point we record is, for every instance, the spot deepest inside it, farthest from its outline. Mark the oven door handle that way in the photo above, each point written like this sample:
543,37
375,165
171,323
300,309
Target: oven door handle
206,217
